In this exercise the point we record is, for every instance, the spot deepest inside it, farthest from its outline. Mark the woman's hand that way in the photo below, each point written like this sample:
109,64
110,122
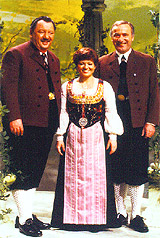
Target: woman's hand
112,144
60,147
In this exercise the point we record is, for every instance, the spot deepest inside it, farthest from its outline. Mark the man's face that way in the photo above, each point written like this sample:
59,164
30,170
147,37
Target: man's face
43,35
122,38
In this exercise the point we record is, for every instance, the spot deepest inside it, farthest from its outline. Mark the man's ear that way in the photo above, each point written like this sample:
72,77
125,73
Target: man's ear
30,34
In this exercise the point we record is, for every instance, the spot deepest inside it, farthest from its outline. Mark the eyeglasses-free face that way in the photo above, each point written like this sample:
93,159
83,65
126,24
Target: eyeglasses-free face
122,38
43,35
86,68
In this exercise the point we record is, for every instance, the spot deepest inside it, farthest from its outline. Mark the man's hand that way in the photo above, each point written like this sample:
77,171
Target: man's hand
112,144
16,127
148,130
60,147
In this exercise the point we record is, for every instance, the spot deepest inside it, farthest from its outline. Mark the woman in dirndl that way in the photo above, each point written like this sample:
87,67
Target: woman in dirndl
88,111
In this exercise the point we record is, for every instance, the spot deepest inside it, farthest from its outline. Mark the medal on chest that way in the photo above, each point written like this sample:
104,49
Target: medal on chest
83,120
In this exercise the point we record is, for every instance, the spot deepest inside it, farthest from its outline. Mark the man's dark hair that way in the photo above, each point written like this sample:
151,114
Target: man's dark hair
118,23
44,18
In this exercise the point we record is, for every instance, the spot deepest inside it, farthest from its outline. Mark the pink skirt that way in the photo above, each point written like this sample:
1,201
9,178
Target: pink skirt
85,191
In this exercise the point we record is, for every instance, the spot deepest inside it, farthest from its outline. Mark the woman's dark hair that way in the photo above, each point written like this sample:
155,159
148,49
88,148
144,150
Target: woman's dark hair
85,54
118,23
44,18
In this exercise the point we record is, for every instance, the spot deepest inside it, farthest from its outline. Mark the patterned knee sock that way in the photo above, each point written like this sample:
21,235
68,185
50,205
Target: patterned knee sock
23,200
120,195
136,194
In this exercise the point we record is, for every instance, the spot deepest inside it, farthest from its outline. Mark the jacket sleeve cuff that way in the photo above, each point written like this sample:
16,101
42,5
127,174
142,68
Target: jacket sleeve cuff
150,123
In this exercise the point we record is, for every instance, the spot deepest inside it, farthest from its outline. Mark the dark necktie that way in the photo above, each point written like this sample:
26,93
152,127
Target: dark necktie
45,62
53,109
122,87
50,84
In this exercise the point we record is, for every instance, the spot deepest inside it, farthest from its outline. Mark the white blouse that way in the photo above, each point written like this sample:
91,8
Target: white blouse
112,124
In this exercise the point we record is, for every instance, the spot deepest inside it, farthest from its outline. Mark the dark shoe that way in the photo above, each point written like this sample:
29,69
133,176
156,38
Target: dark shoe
40,225
29,229
17,222
138,224
122,220
114,224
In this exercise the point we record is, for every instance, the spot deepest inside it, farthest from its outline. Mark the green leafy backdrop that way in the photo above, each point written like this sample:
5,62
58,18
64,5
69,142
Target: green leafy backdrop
17,16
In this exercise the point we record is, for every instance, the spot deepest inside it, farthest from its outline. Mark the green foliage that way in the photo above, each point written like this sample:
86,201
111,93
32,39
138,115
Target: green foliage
66,14
3,111
5,178
4,213
154,49
84,40
1,27
154,18
80,27
154,168
69,72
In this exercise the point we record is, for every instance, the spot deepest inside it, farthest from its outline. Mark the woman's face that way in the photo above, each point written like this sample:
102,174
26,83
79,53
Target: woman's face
86,68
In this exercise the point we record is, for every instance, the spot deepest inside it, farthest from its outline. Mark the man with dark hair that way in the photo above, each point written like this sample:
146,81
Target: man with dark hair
133,77
31,90
44,18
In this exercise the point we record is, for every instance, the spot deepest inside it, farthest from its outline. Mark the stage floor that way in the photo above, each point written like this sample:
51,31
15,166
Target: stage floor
43,204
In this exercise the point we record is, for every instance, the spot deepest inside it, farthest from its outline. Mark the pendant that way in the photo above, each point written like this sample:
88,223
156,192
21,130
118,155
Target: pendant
51,96
83,121
121,97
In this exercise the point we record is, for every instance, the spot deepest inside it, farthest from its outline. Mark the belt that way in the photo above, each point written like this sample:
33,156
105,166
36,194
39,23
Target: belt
121,97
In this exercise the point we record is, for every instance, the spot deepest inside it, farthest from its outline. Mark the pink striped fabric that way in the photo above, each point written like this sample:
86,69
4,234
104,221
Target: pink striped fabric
85,176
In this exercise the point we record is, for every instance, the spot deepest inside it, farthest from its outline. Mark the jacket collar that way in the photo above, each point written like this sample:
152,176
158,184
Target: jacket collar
114,65
113,62
35,55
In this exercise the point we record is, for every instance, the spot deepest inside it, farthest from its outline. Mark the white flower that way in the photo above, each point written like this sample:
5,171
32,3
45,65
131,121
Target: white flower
150,170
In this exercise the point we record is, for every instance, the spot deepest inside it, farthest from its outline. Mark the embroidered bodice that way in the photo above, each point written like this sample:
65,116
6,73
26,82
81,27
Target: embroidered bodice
98,103
85,110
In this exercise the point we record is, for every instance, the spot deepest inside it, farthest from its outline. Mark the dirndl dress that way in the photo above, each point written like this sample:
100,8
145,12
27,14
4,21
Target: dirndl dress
85,168
84,195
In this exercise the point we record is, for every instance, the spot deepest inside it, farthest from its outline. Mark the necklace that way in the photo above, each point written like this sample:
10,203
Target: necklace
86,84
83,120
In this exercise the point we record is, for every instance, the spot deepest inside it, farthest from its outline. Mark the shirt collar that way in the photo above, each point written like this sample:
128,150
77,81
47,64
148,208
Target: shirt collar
43,53
46,57
126,55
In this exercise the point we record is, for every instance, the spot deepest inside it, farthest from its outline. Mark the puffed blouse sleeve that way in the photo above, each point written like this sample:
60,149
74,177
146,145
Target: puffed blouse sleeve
64,117
112,124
